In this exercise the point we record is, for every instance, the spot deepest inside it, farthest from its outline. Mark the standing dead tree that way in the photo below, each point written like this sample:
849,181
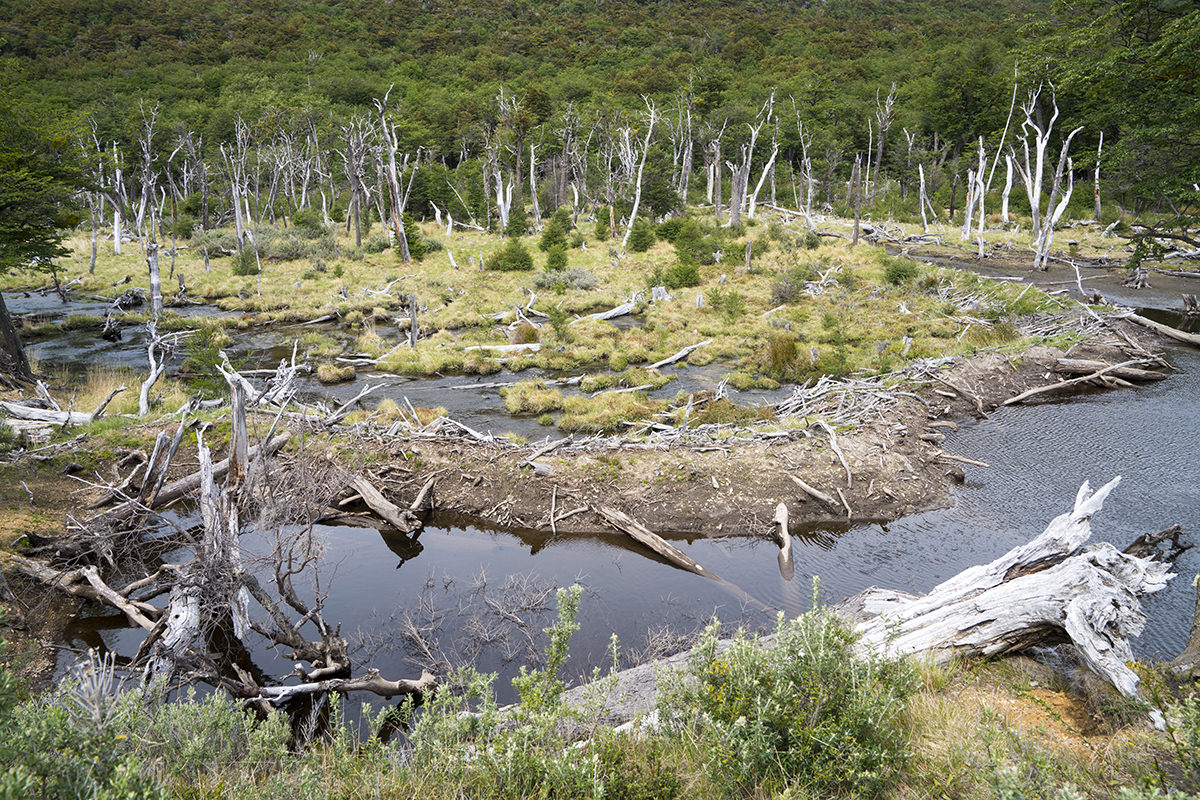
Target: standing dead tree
651,117
355,135
1031,169
885,115
396,198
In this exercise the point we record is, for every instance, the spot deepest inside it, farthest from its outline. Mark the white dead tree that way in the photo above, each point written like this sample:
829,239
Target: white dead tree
355,135
533,195
391,143
740,182
769,167
712,137
651,117
805,136
885,115
147,231
1096,180
1031,169
236,156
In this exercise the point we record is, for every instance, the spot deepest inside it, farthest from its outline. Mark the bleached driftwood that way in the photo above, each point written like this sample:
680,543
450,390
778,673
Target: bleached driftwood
627,524
1052,589
784,539
1078,366
682,354
622,310
1165,330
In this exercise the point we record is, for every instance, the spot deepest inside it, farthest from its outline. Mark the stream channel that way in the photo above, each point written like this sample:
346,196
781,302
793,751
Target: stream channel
1039,453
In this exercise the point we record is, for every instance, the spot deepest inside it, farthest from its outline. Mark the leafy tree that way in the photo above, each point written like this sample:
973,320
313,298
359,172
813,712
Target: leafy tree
38,178
553,236
641,238
1129,68
513,257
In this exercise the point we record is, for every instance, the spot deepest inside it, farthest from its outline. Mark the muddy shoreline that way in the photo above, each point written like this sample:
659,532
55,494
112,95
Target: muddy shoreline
718,490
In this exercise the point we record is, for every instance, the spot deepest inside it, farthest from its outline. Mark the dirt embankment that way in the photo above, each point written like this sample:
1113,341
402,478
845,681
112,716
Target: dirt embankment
893,467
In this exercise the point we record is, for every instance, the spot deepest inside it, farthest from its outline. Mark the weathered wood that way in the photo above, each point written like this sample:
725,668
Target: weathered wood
1078,366
622,310
813,492
371,682
399,518
1071,381
784,539
1053,588
45,415
1165,330
682,354
623,522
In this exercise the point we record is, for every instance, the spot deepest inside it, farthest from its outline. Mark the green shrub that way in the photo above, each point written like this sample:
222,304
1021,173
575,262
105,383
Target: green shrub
183,226
431,245
290,248
245,263
553,236
576,278
730,304
518,221
513,257
898,271
556,259
603,228
375,244
676,277
641,238
811,240
668,229
805,711
412,234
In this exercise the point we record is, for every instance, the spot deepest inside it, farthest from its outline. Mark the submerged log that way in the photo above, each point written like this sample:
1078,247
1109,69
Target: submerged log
784,539
1079,366
627,524
1166,330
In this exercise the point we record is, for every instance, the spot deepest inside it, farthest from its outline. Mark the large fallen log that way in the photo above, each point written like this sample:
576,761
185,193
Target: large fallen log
1053,589
1079,366
1050,590
627,524
1166,330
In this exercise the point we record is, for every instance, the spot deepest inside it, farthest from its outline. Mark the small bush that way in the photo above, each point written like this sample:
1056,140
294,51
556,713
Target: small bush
641,238
513,257
668,229
676,277
806,712
290,248
245,263
531,398
603,228
789,286
730,304
575,278
811,240
553,236
431,245
524,333
334,373
781,352
518,222
556,259
898,271
375,244
412,234
183,226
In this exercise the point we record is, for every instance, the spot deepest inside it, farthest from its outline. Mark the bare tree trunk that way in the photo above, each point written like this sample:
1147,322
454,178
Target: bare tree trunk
856,181
651,118
1008,182
14,367
1095,182
923,200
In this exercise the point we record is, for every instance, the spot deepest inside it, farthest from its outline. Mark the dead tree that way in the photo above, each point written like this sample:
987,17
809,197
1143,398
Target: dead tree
1031,169
885,115
391,144
769,167
355,134
651,117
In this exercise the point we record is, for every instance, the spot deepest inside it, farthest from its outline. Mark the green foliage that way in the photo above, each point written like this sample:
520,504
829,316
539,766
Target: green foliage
806,712
781,353
676,277
375,244
245,263
553,235
641,238
412,234
199,368
541,689
518,221
898,271
183,226
668,229
556,259
730,304
603,224
788,286
572,278
693,246
513,257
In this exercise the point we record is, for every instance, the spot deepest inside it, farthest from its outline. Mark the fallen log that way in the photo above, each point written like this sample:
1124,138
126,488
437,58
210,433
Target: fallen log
371,682
813,492
784,539
626,524
1166,330
682,354
1051,589
1079,366
402,519
1071,381
617,311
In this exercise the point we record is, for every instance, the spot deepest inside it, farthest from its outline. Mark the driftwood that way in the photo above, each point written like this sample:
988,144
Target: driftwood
784,539
1052,589
401,519
623,522
1166,330
626,308
813,492
1072,381
682,354
371,682
1078,366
